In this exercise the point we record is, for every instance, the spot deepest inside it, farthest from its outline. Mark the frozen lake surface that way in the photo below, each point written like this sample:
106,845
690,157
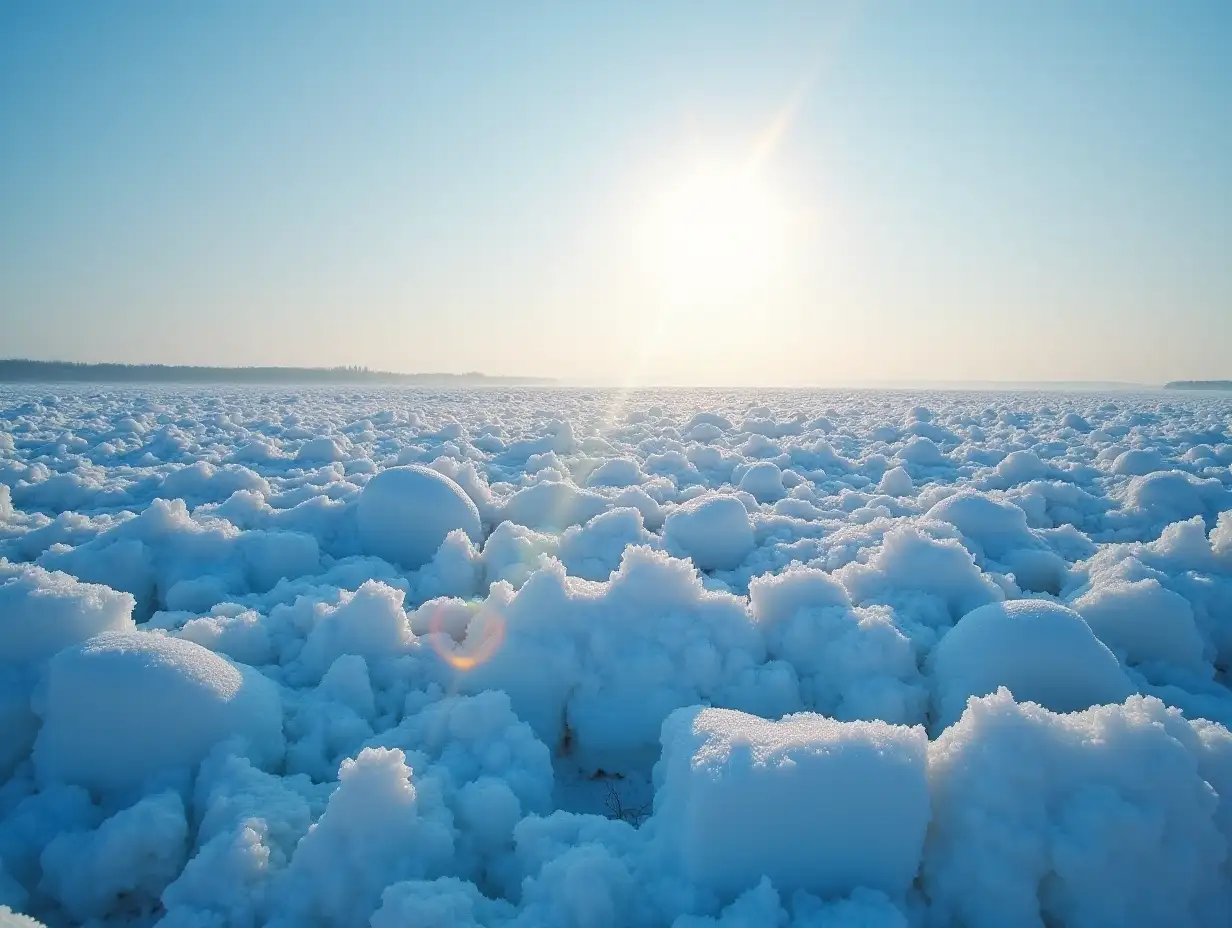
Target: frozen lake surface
540,657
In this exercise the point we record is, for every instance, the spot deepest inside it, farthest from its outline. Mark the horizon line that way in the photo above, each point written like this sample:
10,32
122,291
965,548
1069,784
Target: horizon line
31,370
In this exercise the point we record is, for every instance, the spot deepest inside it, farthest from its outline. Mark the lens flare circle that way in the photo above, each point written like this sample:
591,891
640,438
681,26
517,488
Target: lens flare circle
485,633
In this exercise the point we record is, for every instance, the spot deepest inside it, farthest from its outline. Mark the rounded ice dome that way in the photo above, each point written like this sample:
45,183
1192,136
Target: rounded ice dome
405,513
1018,467
995,525
125,707
1042,651
713,531
764,480
1139,461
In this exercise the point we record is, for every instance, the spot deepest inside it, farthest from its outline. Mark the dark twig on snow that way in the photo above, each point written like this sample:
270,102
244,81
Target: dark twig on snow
617,809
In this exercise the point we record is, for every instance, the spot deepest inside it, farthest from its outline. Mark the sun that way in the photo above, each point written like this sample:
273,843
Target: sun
716,236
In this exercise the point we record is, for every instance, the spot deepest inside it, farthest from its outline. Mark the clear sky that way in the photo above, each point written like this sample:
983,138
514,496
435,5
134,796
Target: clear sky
753,193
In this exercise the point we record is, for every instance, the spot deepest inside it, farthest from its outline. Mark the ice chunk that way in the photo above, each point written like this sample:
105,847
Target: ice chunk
996,526
812,803
126,707
1043,651
713,530
1103,817
123,866
404,514
378,829
1143,621
764,480
43,611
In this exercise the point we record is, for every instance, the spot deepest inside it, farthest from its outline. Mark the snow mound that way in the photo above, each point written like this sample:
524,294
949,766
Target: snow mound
1042,651
923,452
125,707
764,481
1144,622
320,450
404,514
43,611
1138,462
851,665
616,472
739,798
895,482
1173,495
996,526
369,623
122,865
937,578
553,505
378,829
1118,815
714,531
1018,467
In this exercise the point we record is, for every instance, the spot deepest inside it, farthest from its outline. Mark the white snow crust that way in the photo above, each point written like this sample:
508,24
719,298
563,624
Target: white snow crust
554,657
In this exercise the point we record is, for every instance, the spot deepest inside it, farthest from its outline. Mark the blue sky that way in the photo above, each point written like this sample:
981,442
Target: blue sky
1034,191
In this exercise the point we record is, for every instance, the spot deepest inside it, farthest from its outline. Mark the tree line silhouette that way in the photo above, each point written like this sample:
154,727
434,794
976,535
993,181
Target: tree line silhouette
23,370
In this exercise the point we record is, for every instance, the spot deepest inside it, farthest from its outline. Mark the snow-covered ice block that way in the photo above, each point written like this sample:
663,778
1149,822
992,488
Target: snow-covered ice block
404,514
1143,621
43,611
379,828
713,530
1044,652
996,526
808,801
123,864
764,481
1118,815
124,707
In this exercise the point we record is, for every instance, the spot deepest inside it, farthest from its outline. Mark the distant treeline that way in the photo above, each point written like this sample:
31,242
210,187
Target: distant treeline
20,370
1199,385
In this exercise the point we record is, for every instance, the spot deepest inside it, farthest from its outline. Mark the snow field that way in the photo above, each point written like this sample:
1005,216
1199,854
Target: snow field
552,657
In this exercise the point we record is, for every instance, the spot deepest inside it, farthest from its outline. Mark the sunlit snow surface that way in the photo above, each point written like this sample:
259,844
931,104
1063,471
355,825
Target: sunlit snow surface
237,688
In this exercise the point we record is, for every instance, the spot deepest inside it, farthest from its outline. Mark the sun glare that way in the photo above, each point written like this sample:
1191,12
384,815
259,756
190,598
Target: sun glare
718,235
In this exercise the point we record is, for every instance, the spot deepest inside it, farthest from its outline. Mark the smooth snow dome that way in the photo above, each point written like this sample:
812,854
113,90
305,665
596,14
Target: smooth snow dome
764,481
1172,495
127,706
809,802
320,450
405,513
1042,651
1138,462
1020,466
712,531
922,451
997,527
616,472
533,657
